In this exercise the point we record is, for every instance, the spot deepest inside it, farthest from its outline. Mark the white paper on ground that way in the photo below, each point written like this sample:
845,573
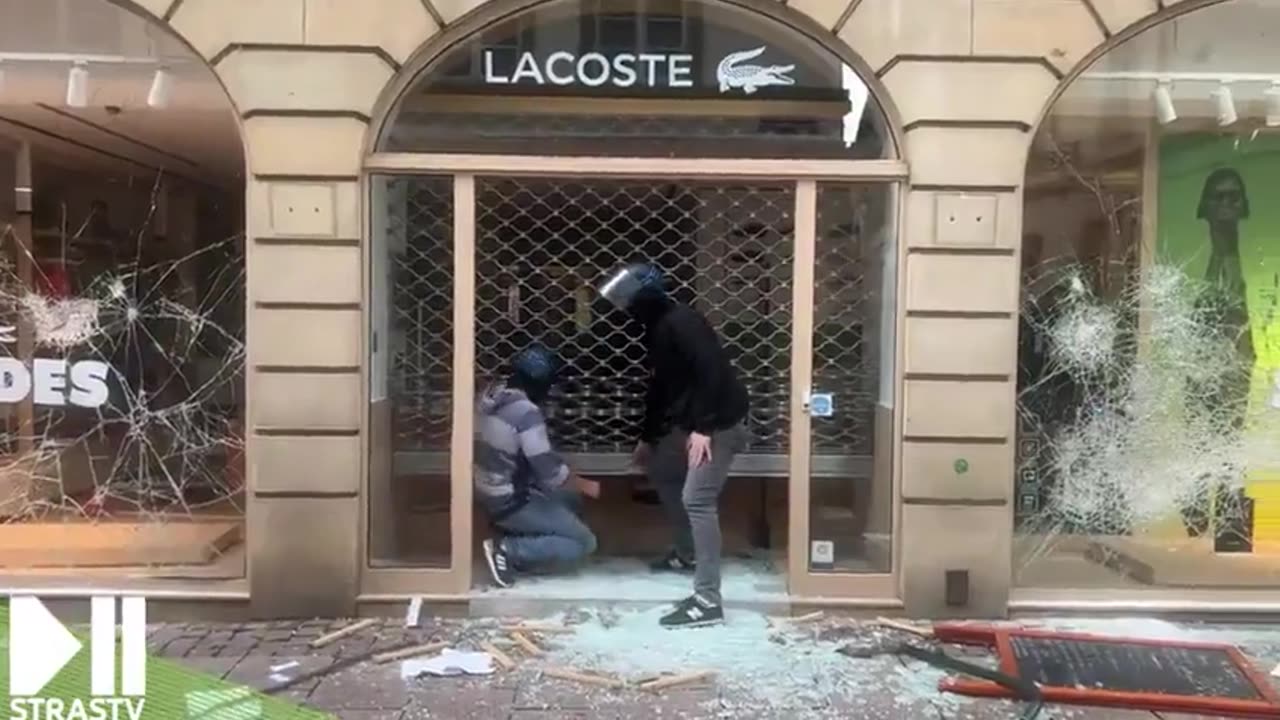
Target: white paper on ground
285,666
450,662
1276,672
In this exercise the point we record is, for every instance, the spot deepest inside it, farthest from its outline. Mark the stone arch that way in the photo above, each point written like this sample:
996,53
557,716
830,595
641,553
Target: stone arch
813,21
1136,25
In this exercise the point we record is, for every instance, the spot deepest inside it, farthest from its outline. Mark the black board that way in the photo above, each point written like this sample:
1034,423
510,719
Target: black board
1130,667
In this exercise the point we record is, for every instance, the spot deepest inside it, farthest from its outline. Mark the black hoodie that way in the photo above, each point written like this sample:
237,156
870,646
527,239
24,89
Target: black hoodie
693,386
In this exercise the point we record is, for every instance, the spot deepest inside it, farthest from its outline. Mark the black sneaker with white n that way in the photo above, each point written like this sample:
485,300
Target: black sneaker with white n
499,566
693,611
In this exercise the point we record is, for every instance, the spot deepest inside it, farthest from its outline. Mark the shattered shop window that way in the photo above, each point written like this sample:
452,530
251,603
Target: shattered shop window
1149,343
121,370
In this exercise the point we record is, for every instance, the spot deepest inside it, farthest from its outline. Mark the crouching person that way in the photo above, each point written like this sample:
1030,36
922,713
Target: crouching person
529,493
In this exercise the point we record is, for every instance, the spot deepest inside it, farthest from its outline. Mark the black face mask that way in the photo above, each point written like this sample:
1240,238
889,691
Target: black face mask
536,388
648,306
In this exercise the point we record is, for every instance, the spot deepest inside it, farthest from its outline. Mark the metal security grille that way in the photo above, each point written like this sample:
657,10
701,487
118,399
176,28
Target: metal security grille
545,244
420,244
847,300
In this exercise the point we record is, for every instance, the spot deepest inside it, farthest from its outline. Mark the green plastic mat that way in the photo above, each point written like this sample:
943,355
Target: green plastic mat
173,691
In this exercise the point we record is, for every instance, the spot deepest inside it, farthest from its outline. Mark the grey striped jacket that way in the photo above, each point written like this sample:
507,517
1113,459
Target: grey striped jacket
513,455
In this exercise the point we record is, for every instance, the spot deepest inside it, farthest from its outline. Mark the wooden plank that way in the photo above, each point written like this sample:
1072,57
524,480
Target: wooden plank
904,627
678,680
504,660
586,678
527,645
344,631
82,544
410,652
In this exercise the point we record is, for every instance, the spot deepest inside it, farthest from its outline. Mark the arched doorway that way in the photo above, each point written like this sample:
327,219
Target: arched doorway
537,152
122,292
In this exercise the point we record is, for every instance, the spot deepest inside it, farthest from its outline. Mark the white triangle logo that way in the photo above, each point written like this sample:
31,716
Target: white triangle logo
39,646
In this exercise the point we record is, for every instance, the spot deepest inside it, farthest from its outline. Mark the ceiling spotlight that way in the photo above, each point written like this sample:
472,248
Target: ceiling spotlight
78,86
1165,112
161,88
1273,104
1226,105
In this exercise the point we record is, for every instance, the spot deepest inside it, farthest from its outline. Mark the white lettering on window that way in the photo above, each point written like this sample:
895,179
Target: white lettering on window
552,60
594,69
680,71
49,379
54,382
624,69
490,76
527,68
651,66
593,59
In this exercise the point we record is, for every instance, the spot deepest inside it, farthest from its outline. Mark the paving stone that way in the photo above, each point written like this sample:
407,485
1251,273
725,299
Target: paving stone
370,715
161,635
980,709
180,647
274,647
1081,712
203,648
547,693
302,648
195,631
211,665
674,704
458,697
362,687
348,647
234,651
255,670
157,642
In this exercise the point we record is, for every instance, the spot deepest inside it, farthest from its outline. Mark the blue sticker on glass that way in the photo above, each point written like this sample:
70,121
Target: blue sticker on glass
822,405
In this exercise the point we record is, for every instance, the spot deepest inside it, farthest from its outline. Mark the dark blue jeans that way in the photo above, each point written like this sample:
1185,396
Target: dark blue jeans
546,532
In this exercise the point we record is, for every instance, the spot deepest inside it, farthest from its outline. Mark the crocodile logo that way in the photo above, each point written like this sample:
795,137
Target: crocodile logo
732,74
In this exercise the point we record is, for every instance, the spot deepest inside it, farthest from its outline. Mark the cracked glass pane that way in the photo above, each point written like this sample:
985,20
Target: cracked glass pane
122,380
1149,421
122,301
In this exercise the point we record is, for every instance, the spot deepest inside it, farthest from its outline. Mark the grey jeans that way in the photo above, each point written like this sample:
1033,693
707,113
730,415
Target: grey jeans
691,498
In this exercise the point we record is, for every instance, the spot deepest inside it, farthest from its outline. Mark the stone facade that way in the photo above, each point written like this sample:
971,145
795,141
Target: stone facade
965,80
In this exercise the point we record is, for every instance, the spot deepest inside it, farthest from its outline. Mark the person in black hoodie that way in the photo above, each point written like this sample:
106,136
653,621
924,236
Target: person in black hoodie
694,425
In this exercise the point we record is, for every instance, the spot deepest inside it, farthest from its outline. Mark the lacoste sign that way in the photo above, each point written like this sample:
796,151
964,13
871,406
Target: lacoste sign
631,70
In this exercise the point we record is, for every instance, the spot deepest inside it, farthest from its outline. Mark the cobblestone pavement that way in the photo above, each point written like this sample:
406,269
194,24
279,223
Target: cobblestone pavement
366,690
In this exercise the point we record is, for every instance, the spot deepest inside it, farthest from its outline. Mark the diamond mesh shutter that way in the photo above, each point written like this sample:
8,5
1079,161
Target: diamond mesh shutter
420,240
847,303
545,244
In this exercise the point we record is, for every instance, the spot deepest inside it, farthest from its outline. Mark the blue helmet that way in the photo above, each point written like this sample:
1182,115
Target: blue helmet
536,364
631,281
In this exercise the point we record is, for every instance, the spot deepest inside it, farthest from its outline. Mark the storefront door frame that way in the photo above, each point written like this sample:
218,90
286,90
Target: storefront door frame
456,580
